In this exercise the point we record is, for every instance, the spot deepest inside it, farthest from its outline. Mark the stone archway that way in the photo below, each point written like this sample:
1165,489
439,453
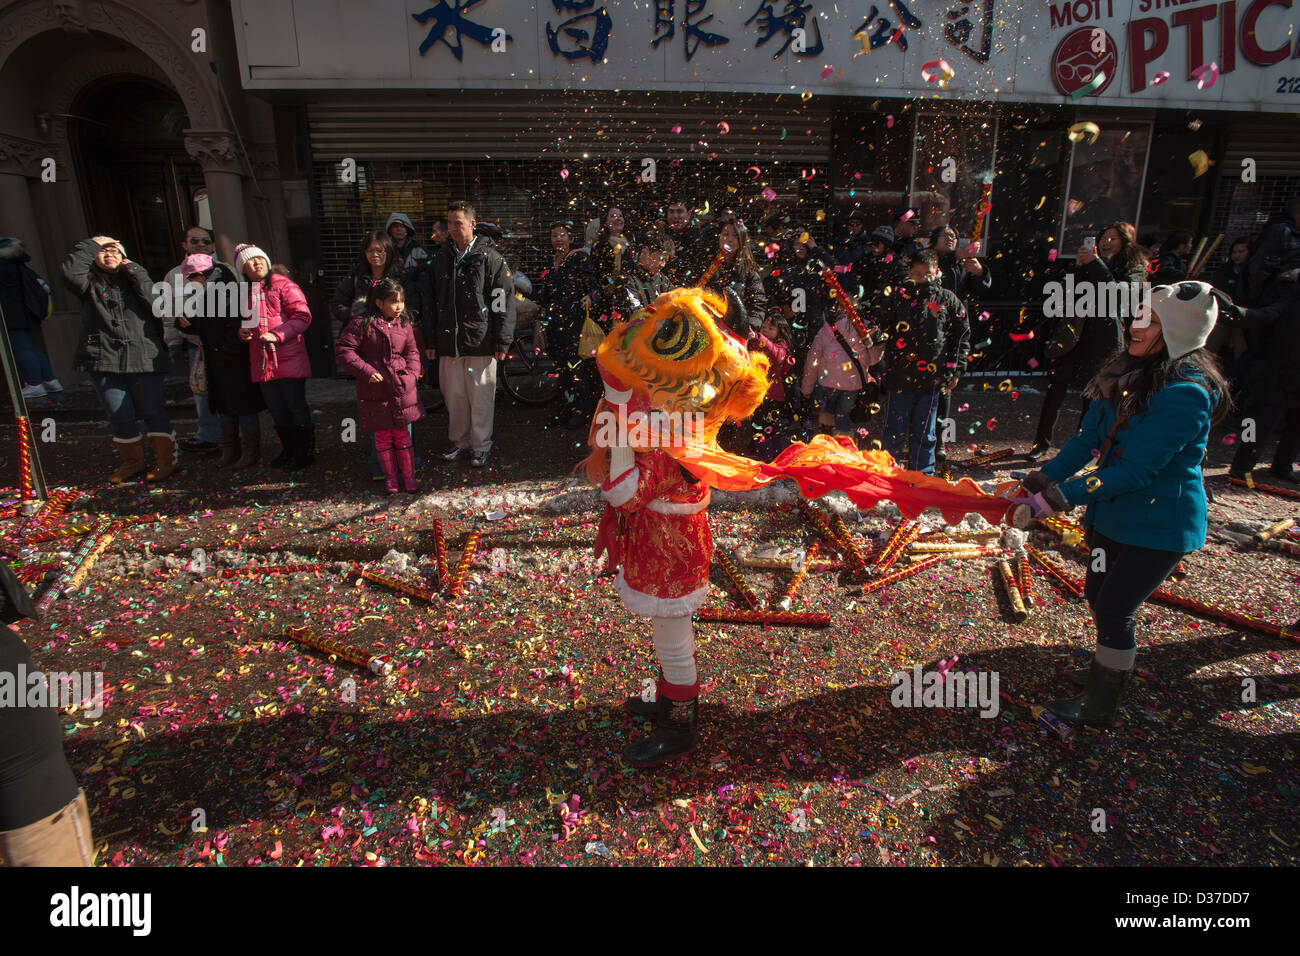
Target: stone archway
74,45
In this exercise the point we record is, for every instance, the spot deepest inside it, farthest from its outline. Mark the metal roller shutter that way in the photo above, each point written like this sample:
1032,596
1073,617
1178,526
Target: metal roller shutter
471,125
1243,209
526,160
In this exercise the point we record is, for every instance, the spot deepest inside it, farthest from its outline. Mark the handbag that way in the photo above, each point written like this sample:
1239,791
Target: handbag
592,335
1064,340
869,394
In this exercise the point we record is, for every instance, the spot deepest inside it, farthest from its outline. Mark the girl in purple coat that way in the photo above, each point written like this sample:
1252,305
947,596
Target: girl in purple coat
379,349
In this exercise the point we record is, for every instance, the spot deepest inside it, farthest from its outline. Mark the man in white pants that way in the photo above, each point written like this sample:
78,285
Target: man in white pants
468,317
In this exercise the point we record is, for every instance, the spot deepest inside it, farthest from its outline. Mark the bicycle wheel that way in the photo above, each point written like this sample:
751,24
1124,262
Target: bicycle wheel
529,377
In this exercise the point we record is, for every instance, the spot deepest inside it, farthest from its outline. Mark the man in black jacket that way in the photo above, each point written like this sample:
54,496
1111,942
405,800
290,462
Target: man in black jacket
1275,375
467,310
929,343
1077,346
686,266
1277,251
564,293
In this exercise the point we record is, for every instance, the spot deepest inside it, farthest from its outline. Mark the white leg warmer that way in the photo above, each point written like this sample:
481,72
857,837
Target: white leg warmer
675,647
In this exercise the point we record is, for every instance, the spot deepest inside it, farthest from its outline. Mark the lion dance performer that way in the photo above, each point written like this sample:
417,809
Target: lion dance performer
673,373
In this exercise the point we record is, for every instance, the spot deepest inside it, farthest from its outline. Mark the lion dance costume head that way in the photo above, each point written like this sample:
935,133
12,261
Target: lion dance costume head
677,356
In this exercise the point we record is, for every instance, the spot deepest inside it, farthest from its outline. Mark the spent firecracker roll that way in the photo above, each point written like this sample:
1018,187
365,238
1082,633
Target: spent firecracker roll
901,574
820,524
397,584
787,599
1024,580
747,616
456,586
1057,574
1008,578
747,593
381,666
440,551
851,550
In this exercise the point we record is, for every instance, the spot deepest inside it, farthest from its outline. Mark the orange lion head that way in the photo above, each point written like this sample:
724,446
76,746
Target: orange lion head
678,357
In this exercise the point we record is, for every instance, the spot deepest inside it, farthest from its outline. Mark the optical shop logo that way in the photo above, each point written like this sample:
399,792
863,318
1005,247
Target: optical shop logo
77,909
68,691
946,688
1081,58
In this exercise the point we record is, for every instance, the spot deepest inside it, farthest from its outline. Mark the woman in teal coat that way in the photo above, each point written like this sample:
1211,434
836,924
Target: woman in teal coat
1153,405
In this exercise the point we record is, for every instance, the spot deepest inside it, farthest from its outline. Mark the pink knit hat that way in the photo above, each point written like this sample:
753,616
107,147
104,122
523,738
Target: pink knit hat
196,263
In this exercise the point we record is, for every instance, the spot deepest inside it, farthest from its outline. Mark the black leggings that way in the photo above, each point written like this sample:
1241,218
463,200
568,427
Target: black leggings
1130,575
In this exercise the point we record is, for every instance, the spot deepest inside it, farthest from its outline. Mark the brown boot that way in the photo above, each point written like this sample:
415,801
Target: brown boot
251,442
228,442
132,453
166,453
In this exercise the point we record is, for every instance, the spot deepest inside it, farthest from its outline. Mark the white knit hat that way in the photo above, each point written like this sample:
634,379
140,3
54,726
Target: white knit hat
246,253
1187,312
109,241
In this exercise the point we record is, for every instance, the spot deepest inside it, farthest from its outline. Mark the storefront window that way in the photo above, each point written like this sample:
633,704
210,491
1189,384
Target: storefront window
952,170
1106,179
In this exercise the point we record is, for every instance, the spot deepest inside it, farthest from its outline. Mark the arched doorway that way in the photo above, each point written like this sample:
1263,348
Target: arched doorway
138,183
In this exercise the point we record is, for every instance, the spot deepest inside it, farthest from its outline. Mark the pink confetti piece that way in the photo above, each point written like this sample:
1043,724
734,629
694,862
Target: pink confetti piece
724,127
564,174
937,71
1051,256
889,121
1206,76
827,71
677,128
769,193
1160,77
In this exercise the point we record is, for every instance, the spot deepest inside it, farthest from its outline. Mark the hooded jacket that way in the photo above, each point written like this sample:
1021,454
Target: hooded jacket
467,305
119,332
411,253
24,296
928,338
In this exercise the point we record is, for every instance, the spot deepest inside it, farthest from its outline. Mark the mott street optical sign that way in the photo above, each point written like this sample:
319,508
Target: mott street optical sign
1142,53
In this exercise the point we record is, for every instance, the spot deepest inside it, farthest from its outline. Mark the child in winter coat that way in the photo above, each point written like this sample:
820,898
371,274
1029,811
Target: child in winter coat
831,373
380,350
773,340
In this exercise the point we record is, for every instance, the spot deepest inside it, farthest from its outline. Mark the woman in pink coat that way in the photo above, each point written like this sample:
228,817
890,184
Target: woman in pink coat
279,355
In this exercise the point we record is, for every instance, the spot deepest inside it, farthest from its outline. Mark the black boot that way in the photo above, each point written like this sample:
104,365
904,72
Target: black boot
638,707
309,436
286,445
1040,449
299,450
641,708
1078,676
677,732
1099,702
